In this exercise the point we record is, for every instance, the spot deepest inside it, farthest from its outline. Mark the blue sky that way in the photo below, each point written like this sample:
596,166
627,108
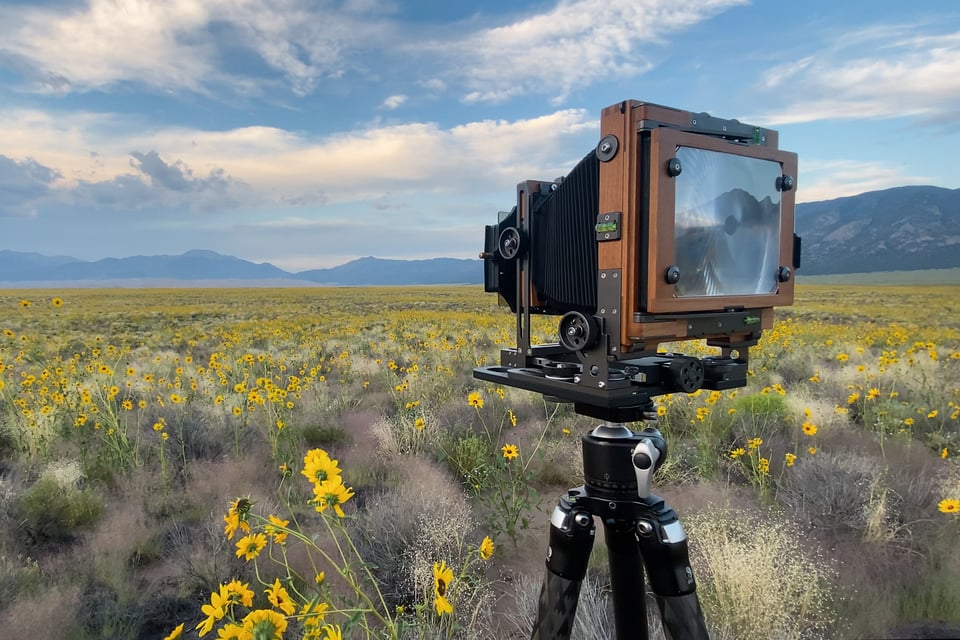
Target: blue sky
309,133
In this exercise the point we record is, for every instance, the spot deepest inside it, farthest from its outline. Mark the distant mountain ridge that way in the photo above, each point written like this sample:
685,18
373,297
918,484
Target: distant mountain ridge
202,265
899,229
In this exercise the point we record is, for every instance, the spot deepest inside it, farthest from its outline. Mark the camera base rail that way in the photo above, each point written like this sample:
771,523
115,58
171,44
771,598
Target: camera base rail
624,392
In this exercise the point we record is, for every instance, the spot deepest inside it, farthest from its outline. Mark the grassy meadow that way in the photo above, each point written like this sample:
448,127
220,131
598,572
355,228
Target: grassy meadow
320,463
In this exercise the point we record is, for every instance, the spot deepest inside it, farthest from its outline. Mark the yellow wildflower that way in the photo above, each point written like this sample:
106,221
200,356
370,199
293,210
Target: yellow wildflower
486,548
249,547
442,579
949,505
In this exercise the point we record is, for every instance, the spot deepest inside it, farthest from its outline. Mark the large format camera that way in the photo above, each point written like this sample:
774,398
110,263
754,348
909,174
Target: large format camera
678,226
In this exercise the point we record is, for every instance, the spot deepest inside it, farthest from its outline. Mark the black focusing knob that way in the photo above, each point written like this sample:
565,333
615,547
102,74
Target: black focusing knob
674,168
672,274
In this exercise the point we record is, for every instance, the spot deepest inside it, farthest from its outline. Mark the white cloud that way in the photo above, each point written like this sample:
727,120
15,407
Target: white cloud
903,75
283,168
172,46
105,42
828,179
574,44
182,44
393,102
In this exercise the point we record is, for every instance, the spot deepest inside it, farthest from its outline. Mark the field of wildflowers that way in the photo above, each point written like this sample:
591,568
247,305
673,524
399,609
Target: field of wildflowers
320,463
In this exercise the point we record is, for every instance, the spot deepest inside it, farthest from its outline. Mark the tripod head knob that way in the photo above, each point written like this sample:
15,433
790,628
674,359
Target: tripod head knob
642,461
645,456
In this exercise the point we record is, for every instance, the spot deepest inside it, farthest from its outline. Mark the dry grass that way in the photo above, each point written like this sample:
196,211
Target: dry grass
756,579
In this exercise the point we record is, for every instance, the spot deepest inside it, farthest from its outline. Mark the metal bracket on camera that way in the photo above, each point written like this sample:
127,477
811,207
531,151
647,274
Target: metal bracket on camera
624,392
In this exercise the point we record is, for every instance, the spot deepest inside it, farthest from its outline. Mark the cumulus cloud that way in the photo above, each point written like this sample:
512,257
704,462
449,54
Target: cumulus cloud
904,75
828,179
267,165
177,176
573,44
181,45
23,184
393,102
158,184
105,42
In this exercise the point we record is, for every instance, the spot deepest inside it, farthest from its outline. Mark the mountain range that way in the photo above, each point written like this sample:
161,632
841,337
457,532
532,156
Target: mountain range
201,267
903,229
899,229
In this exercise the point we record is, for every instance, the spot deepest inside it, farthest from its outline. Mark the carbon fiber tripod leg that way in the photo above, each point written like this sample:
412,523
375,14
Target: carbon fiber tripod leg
663,544
626,580
682,617
571,539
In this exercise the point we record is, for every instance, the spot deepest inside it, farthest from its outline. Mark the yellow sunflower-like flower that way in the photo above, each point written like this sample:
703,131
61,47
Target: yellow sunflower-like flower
809,429
279,598
442,579
275,529
763,465
264,624
249,547
236,518
510,451
486,548
736,453
475,400
950,505
213,612
230,632
790,459
312,616
176,633
237,592
57,302
318,467
332,632
331,494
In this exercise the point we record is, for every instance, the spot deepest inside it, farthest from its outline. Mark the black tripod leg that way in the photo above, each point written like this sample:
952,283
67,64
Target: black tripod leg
663,544
626,580
571,540
682,617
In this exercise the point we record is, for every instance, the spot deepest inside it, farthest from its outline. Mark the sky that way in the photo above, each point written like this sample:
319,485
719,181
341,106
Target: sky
310,133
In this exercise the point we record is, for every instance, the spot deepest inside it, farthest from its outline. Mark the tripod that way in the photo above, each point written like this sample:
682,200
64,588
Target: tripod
640,530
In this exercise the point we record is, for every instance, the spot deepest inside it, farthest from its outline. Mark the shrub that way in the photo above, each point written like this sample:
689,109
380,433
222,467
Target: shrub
831,490
423,519
324,434
19,576
468,457
51,512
